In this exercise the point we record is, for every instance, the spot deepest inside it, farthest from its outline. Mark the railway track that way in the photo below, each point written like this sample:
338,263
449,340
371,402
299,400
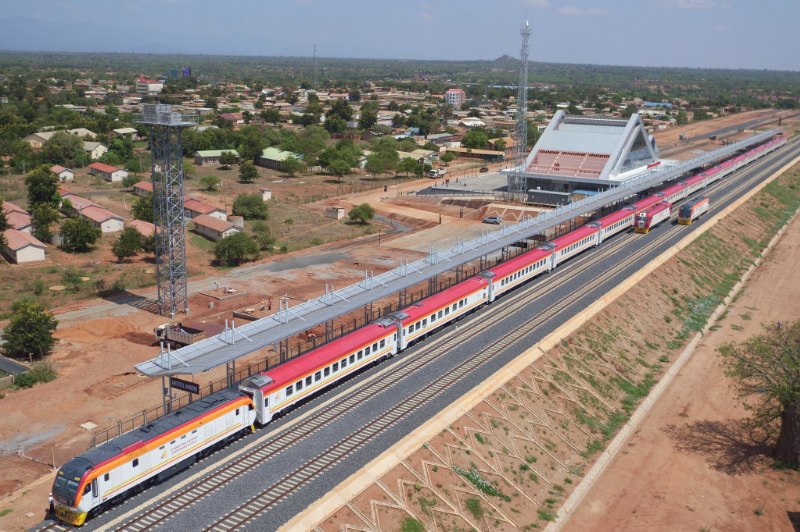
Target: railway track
443,344
261,503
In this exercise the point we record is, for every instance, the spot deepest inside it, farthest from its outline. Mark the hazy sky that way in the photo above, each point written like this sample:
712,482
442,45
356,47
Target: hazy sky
759,34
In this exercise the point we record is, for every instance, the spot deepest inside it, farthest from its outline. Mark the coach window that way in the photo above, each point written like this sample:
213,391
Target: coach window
359,355
326,371
367,351
317,376
352,358
335,367
289,391
425,322
298,386
383,342
374,347
446,311
441,314
308,380
135,462
344,363
454,307
433,317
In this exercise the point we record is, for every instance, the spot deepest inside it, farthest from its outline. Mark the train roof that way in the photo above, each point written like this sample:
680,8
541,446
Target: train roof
616,216
672,189
520,261
325,354
441,299
658,207
574,236
695,179
647,202
151,431
693,202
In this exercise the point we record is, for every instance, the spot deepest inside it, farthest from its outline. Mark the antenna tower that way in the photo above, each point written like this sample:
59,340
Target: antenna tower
517,184
315,66
166,148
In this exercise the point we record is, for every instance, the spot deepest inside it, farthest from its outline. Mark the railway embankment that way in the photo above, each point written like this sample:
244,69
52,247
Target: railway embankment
520,450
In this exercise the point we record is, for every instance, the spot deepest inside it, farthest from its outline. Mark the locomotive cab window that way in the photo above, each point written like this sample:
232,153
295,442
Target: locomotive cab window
88,487
107,476
135,464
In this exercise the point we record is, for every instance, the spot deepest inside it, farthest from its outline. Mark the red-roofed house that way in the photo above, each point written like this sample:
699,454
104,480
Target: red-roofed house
12,207
105,220
22,247
195,207
143,187
21,221
77,203
108,172
213,228
144,228
64,174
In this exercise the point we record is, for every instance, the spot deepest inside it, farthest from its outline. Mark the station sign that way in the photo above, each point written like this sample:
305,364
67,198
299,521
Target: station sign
184,386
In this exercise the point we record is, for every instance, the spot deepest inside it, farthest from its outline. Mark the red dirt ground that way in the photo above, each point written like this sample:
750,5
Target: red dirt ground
690,466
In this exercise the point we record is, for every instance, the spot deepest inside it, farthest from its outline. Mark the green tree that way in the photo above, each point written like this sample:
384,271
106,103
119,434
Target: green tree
250,207
142,208
500,145
681,118
766,368
3,224
42,216
262,236
339,167
475,138
128,244
79,234
228,158
447,157
368,117
361,213
247,172
407,165
235,249
42,185
66,149
629,111
292,165
209,182
30,330
251,142
270,115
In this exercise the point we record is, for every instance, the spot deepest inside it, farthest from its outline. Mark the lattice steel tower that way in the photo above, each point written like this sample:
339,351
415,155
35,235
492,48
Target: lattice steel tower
517,180
167,170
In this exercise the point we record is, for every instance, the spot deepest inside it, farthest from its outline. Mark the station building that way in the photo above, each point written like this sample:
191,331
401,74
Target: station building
588,153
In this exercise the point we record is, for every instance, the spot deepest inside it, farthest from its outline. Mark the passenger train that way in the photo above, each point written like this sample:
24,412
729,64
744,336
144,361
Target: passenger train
89,483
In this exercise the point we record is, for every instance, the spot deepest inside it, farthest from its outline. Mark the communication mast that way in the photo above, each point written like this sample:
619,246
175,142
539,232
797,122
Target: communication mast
166,148
315,66
516,179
